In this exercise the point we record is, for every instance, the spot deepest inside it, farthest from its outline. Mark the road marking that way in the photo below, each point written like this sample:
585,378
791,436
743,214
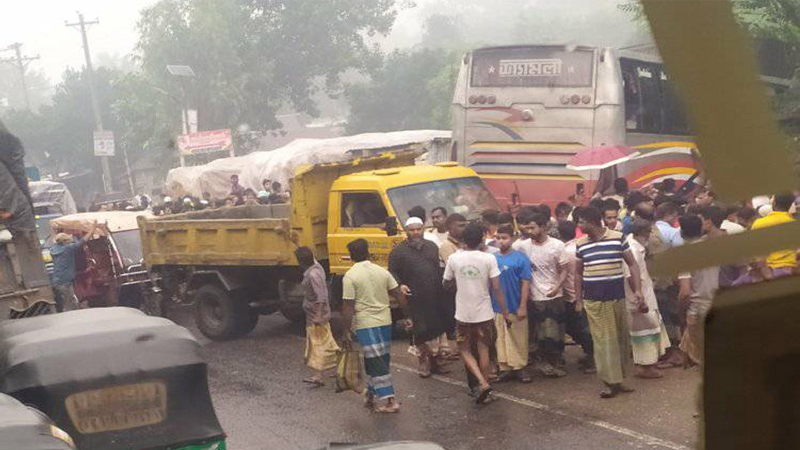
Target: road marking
645,438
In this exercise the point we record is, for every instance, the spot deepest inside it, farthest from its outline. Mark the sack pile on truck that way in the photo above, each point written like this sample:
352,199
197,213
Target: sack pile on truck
280,164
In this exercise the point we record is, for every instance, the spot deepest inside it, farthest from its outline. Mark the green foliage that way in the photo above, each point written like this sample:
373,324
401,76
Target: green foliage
60,135
252,57
412,90
776,19
773,19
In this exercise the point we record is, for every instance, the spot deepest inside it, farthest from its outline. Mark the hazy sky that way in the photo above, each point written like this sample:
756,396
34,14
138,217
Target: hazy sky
39,25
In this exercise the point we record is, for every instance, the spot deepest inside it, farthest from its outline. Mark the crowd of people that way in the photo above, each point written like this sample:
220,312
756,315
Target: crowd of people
272,192
513,289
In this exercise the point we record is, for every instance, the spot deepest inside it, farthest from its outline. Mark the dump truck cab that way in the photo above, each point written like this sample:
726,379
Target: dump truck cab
361,203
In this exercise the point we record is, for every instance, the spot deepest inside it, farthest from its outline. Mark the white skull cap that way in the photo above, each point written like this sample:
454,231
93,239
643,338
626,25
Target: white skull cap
414,221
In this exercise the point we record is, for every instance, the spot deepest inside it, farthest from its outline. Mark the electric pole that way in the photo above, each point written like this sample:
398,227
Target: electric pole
21,63
98,119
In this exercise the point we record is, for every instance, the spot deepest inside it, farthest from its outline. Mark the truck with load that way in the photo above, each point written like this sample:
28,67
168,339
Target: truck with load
24,285
234,264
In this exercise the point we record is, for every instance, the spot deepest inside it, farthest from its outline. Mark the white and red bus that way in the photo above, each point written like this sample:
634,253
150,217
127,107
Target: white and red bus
521,112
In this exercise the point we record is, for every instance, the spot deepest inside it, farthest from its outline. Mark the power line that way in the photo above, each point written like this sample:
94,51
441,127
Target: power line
21,62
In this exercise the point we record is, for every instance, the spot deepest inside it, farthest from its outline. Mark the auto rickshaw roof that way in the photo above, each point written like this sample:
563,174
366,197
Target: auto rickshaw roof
82,222
90,344
23,428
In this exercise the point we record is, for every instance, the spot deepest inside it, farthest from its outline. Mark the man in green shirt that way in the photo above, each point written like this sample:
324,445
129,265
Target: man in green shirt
366,290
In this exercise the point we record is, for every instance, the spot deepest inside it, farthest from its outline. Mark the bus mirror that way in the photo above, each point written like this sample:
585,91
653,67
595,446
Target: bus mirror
391,226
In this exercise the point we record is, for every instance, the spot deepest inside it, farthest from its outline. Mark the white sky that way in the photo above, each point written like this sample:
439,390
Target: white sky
39,25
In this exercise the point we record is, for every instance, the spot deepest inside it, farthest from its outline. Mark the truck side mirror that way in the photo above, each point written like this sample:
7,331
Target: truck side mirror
391,226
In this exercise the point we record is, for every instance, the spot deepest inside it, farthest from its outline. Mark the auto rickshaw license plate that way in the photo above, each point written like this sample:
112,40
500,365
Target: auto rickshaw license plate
118,407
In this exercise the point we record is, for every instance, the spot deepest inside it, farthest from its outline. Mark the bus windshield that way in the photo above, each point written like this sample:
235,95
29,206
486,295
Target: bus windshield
542,66
466,196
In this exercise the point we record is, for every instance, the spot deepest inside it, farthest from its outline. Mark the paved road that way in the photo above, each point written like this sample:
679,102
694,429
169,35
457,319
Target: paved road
255,384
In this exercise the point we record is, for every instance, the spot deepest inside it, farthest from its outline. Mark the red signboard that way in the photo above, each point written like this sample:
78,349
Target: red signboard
205,142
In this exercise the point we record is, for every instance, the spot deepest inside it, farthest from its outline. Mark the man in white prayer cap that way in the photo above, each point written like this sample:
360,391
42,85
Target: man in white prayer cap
414,263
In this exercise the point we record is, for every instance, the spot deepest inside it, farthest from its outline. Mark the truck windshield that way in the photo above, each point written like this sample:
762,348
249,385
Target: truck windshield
129,246
466,196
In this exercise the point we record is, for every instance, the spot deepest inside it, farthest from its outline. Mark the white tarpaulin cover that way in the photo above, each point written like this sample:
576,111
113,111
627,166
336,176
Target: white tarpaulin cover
52,192
280,164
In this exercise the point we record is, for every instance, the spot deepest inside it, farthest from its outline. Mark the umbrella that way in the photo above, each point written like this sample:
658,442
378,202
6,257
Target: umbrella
601,157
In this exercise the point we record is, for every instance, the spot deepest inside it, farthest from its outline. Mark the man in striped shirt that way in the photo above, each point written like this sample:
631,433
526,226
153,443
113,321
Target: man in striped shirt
600,289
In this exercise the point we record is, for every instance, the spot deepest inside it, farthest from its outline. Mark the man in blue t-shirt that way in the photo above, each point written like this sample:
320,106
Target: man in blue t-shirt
515,280
63,253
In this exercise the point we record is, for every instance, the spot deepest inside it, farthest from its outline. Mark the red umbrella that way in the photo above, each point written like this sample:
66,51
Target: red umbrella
601,157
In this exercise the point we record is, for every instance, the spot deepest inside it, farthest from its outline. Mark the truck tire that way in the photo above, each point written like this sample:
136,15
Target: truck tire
294,314
153,304
291,295
220,315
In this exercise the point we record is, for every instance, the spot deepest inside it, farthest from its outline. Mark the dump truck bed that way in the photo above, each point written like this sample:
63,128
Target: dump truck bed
257,235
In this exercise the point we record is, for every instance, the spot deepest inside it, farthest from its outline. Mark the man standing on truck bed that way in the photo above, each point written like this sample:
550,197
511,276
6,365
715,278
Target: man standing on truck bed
63,253
415,265
365,291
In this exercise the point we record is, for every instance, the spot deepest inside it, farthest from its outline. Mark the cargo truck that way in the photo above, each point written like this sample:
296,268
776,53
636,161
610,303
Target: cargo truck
234,264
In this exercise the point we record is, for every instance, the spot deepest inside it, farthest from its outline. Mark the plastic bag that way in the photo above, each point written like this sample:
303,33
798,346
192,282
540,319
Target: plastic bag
348,369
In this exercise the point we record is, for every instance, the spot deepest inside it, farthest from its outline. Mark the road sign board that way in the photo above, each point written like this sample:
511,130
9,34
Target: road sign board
205,142
103,143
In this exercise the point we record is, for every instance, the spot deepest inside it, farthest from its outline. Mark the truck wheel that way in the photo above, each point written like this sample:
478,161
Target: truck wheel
153,304
291,295
293,313
220,315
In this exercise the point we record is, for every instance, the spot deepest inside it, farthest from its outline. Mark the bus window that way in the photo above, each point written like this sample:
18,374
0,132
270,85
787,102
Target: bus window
651,98
633,101
651,103
674,116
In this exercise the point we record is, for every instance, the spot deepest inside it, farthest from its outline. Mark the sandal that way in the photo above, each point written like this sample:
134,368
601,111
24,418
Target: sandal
484,394
313,381
383,409
625,389
523,376
609,393
615,390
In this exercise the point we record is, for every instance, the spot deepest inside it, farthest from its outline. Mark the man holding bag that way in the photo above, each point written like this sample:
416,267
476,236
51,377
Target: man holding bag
366,290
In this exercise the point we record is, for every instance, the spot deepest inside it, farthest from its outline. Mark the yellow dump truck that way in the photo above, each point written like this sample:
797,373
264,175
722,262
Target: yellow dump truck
236,263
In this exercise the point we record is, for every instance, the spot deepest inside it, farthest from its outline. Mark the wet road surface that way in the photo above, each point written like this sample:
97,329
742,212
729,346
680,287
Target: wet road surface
259,397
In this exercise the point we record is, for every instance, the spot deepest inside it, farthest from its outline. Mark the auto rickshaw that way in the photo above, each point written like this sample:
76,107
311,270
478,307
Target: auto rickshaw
113,378
26,428
109,269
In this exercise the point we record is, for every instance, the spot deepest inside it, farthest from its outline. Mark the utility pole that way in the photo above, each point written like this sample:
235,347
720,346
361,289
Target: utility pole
21,62
98,120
